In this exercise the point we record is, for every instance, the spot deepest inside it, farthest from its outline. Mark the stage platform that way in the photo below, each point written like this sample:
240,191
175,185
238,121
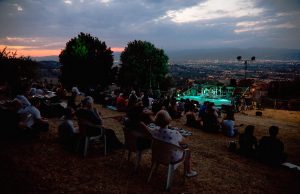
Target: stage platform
218,101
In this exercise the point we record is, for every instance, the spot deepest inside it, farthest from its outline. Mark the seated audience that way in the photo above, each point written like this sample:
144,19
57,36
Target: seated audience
271,149
31,120
9,118
191,118
145,100
202,109
94,124
137,121
72,99
121,103
68,134
24,101
172,109
247,141
228,126
163,133
210,119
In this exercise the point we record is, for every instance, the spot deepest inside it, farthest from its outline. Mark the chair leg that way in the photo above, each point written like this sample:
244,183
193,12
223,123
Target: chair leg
105,149
170,175
86,144
122,159
129,154
137,161
153,168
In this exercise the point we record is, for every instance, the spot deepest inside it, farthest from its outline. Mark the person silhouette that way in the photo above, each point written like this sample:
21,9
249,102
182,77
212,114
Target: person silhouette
271,149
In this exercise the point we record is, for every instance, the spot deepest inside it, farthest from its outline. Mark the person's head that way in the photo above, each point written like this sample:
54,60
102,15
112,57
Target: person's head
230,116
135,112
35,102
249,130
191,107
15,105
88,102
147,116
162,118
273,131
68,113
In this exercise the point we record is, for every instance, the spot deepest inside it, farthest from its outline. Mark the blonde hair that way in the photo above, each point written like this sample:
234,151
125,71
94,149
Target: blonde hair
162,118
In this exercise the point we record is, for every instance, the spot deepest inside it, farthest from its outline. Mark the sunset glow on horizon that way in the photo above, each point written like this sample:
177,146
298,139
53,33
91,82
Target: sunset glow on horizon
26,51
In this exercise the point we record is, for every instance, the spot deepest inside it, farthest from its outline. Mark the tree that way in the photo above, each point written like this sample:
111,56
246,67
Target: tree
16,72
142,65
86,62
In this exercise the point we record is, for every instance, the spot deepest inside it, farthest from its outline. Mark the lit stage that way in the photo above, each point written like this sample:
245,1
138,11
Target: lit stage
218,101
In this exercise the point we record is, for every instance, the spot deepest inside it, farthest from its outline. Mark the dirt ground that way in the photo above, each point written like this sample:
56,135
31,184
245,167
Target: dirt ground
44,166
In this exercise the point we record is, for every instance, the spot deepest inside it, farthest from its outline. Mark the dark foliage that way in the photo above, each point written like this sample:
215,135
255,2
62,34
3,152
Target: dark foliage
284,89
16,72
86,62
143,65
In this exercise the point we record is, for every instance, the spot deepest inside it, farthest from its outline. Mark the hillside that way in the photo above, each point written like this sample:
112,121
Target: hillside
43,166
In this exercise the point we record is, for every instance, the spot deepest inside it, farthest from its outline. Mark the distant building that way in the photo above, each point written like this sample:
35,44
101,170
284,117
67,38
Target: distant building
259,90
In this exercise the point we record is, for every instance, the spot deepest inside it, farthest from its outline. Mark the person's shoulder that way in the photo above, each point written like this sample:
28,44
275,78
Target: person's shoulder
241,135
80,112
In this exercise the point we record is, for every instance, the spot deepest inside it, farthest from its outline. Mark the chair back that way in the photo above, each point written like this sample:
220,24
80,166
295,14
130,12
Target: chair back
130,139
162,152
82,127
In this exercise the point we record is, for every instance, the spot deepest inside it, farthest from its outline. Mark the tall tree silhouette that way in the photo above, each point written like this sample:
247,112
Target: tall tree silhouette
86,61
143,65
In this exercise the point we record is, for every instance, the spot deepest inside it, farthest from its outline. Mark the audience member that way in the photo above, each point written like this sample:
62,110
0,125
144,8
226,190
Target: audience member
247,141
271,149
202,109
228,126
210,119
191,118
94,124
31,121
172,109
68,134
163,133
121,103
137,119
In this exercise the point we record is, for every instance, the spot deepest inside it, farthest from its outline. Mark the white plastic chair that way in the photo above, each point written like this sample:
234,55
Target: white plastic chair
161,154
131,139
88,139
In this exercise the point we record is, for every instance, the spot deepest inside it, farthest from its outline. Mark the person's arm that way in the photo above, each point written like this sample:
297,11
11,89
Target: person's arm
182,141
37,115
85,122
145,130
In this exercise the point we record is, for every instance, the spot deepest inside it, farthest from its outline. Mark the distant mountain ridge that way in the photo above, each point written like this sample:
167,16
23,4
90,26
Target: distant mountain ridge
46,58
231,54
188,55
49,64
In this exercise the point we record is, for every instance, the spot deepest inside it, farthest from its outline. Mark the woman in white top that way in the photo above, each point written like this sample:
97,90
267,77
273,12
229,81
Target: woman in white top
163,133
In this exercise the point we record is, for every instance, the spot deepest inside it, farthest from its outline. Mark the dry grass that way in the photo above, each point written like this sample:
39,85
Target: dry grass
43,166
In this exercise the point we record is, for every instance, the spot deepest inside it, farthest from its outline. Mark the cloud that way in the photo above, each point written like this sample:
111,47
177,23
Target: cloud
214,9
32,42
68,2
19,8
169,24
279,21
